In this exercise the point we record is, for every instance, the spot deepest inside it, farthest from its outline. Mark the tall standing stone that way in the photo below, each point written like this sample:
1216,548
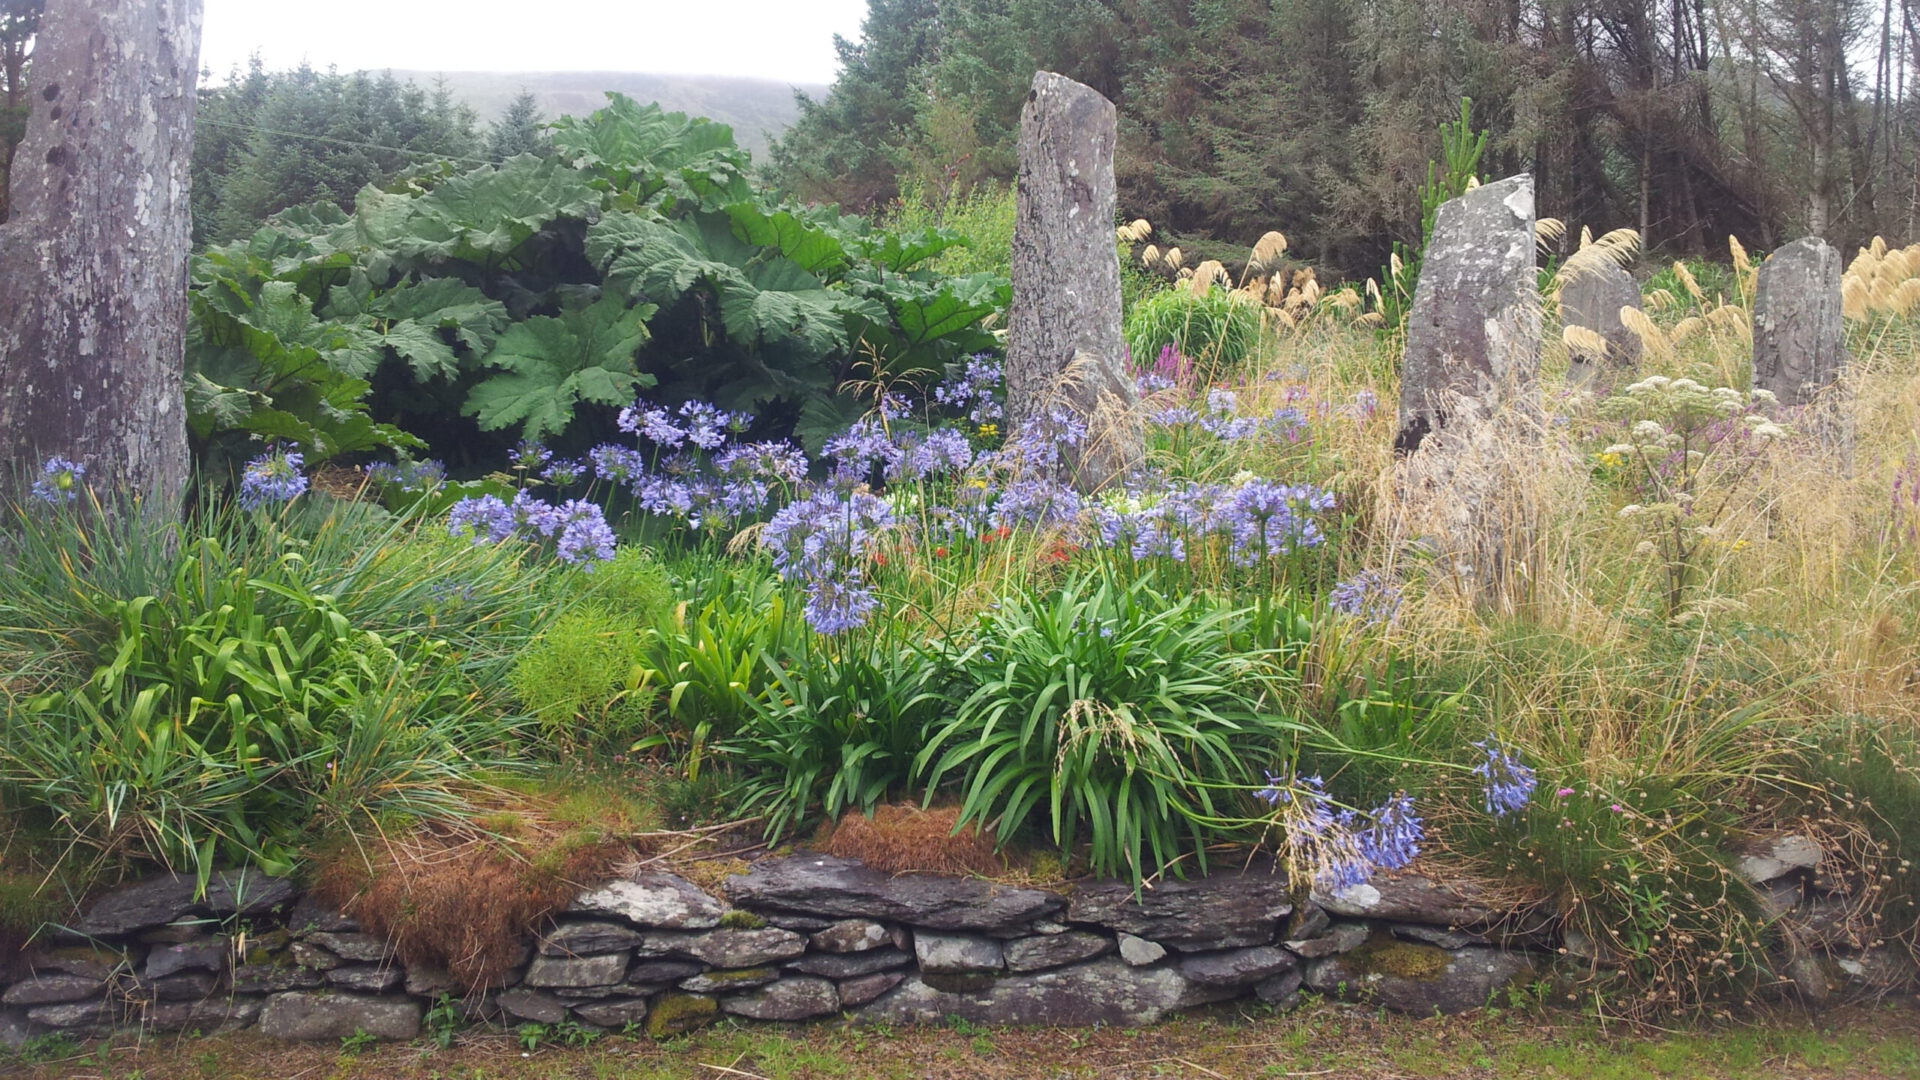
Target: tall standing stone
1799,343
1064,343
1592,299
1473,339
93,315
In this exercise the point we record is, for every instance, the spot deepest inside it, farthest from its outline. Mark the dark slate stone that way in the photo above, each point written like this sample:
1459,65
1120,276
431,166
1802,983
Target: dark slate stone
1235,967
157,901
850,965
365,948
613,1013
653,974
76,1014
651,899
1282,991
797,998
1218,912
206,954
1055,950
858,991
209,1015
786,920
724,982
186,986
535,1005
14,1029
1418,979
957,954
1103,991
426,981
588,938
1799,336
1338,938
313,956
731,948
274,978
852,935
1309,920
177,933
606,969
846,888
1433,935
1407,896
1595,291
87,961
310,914
52,989
367,978
324,1016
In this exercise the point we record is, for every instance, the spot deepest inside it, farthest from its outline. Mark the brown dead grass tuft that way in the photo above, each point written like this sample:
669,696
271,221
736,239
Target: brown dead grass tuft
900,838
461,900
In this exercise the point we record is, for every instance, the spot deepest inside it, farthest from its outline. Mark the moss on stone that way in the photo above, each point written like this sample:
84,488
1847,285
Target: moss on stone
738,975
1384,954
677,1013
742,920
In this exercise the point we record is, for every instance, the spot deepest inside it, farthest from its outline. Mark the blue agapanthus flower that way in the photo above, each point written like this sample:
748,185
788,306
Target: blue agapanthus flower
1509,782
59,480
485,518
1370,596
1392,840
585,537
273,477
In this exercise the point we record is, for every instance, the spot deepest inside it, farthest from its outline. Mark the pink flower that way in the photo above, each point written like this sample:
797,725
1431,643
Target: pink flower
1617,808
1565,791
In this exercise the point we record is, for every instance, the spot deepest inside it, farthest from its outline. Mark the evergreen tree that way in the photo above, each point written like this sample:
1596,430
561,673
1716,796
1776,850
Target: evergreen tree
519,130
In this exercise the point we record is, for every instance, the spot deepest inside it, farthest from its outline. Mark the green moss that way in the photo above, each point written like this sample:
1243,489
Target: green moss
742,920
739,975
674,1014
1384,954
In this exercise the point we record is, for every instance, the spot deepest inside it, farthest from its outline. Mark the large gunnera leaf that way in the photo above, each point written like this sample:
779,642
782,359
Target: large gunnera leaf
552,364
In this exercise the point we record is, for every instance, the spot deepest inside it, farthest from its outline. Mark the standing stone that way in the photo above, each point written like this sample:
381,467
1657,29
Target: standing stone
1799,344
1473,338
1591,299
1064,344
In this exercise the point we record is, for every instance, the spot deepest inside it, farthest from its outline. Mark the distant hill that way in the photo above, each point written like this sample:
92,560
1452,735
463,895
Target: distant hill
757,109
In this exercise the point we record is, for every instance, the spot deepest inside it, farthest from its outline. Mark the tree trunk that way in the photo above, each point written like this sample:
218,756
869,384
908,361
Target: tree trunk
1064,344
92,321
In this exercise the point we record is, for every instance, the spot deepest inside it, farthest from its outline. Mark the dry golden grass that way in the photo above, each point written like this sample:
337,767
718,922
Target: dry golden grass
904,837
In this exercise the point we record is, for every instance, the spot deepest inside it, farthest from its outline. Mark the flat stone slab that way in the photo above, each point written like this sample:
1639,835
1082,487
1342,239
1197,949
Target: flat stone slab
606,969
157,901
653,900
1103,991
1336,938
318,1016
799,998
1055,950
1407,896
851,965
849,889
618,1012
52,990
1780,856
852,935
1418,979
588,937
957,954
1218,912
1236,967
857,992
731,948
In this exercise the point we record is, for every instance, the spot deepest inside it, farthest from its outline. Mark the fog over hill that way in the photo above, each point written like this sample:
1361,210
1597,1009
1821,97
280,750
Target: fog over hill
757,109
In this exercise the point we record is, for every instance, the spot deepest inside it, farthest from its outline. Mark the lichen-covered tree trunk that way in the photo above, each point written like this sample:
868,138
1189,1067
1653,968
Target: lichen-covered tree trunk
93,264
1064,343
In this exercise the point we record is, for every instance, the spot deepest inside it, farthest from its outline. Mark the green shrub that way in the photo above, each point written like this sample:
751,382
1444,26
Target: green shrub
1113,715
585,674
984,216
1218,331
634,583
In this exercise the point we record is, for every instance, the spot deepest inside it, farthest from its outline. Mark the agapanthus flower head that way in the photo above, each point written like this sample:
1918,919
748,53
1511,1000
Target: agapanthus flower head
652,423
1392,840
409,475
836,605
616,464
826,534
1321,841
584,537
1370,596
942,450
973,391
273,477
1267,519
564,472
778,461
1509,782
859,449
485,518
530,456
709,426
539,515
59,480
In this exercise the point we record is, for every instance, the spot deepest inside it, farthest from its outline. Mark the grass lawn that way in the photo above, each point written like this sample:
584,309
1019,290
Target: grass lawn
1331,1041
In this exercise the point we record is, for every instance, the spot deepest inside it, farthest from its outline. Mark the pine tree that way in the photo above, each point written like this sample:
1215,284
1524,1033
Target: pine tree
519,130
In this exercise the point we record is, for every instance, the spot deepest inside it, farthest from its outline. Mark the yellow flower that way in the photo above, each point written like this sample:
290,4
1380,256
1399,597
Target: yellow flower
988,431
978,481
1612,460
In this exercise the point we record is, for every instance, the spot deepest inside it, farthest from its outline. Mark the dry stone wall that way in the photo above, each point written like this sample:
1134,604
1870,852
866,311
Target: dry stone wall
807,937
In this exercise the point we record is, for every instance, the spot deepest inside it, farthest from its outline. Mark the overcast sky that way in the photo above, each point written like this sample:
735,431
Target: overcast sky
785,40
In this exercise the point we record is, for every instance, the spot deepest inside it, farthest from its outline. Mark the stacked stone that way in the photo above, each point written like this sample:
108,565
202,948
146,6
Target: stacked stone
807,936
